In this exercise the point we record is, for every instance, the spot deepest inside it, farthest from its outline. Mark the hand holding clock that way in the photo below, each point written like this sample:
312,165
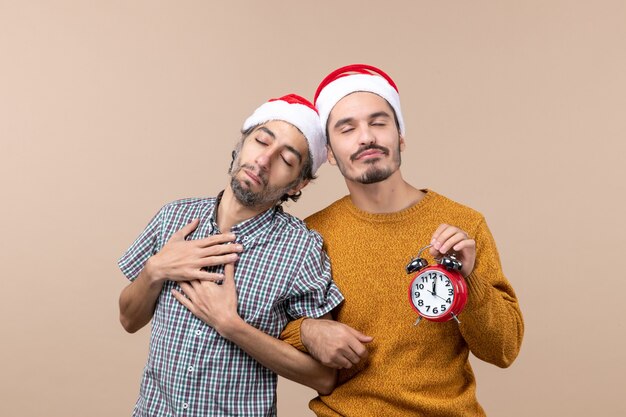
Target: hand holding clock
449,238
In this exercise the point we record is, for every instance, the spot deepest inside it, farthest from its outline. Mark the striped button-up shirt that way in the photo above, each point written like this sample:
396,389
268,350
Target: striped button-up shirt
282,274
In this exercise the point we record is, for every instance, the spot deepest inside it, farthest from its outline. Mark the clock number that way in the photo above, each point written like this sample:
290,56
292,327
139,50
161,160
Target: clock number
448,284
424,279
435,310
448,301
417,294
450,291
420,303
443,308
420,286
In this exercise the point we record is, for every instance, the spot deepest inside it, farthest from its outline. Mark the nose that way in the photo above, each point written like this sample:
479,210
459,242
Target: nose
366,135
264,160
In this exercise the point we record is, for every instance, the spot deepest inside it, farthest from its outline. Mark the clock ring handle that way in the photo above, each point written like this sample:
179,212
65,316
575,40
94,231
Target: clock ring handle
419,254
448,261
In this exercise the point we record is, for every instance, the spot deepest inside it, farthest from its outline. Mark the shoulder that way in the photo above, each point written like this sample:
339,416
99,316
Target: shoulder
296,228
187,207
453,212
329,215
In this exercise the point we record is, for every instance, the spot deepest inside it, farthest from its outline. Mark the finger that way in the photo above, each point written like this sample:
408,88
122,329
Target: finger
202,275
229,277
438,232
221,249
360,336
198,285
351,356
458,237
218,260
465,244
341,362
184,231
444,235
188,290
183,300
229,271
216,239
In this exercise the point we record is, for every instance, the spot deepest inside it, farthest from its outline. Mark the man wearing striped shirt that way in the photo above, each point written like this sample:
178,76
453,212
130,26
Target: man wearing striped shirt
220,277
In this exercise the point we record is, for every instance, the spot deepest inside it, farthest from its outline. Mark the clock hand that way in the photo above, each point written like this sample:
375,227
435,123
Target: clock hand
436,295
435,286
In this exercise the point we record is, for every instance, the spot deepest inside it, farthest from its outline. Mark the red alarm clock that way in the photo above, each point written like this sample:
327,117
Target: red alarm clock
439,292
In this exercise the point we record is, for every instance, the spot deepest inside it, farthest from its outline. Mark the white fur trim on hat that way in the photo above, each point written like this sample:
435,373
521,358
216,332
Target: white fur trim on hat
299,115
341,87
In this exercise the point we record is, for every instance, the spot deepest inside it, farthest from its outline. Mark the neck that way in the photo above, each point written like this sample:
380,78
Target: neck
231,212
388,196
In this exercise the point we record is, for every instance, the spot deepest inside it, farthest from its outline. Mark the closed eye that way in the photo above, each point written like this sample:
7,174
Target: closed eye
286,161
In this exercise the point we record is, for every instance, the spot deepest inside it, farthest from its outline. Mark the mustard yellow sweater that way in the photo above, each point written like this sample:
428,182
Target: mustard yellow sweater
422,370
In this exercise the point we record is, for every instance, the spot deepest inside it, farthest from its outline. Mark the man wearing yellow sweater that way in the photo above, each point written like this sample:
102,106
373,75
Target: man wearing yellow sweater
387,366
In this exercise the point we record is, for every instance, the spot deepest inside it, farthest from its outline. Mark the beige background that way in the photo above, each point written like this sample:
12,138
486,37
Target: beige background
109,109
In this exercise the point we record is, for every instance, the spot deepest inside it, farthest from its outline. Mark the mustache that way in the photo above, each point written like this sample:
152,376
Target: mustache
367,148
259,173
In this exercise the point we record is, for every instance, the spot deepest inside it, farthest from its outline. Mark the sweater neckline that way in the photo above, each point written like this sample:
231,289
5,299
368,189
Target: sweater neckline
389,217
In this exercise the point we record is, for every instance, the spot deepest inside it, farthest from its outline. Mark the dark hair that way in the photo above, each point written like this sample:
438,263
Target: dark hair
306,173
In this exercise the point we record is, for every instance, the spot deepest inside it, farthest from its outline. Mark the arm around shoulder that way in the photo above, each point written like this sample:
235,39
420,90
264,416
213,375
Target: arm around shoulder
281,358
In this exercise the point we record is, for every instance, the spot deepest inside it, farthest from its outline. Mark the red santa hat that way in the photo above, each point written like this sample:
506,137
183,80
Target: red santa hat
299,112
353,78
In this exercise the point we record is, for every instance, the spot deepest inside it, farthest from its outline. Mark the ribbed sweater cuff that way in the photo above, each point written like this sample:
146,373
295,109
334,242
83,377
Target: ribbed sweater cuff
291,334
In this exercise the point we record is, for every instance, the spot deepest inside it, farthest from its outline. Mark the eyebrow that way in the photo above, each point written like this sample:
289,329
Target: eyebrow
288,147
269,132
347,120
379,114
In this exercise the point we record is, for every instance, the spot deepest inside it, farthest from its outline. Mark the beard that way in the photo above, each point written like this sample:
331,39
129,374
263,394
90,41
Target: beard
242,188
373,173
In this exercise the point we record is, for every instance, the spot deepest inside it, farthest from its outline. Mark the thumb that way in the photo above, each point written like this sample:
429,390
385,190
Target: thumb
360,336
229,274
184,231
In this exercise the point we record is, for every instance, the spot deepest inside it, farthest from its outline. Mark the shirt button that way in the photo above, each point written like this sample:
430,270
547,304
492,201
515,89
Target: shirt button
185,406
198,332
190,369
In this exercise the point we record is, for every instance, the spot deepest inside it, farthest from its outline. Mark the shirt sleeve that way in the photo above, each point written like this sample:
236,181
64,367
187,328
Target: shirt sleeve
491,322
146,245
313,293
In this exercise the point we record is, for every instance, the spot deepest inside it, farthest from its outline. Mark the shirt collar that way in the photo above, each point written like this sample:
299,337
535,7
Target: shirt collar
250,228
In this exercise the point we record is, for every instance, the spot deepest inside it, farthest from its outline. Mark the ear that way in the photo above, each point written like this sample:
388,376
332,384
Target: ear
331,156
402,143
298,187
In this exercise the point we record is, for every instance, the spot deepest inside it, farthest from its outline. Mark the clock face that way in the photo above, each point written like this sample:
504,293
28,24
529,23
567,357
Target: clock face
432,293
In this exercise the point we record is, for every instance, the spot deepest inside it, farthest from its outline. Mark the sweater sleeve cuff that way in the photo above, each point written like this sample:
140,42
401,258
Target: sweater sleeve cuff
291,334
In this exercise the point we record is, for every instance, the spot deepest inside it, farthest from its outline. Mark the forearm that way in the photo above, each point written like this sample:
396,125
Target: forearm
280,357
138,300
492,323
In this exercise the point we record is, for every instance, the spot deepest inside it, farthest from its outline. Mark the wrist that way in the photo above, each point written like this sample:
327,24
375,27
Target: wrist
153,271
230,327
304,331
